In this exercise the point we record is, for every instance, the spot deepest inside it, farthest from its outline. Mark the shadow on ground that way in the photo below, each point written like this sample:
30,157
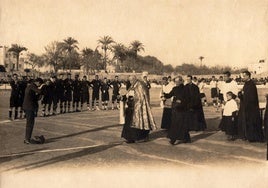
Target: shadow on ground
158,134
213,124
202,136
66,157
81,132
18,155
212,128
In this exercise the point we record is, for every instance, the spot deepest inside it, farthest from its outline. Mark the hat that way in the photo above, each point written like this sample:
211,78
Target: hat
39,139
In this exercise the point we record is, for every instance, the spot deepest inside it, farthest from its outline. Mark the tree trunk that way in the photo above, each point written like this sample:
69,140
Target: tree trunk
69,59
133,63
18,57
55,67
105,60
87,68
69,64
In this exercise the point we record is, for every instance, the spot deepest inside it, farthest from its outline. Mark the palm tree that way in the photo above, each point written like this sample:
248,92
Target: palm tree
69,45
17,49
96,60
120,53
87,56
136,46
201,59
105,43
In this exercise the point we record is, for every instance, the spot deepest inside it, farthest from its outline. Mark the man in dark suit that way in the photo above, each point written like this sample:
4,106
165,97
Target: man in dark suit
60,91
85,84
116,84
68,92
95,84
76,88
14,96
30,104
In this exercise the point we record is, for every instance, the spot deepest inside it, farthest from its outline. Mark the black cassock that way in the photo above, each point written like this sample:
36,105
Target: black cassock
195,118
166,118
249,118
178,130
266,119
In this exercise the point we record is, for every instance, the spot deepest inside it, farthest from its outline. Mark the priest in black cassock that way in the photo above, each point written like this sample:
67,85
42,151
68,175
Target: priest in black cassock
178,130
195,118
249,118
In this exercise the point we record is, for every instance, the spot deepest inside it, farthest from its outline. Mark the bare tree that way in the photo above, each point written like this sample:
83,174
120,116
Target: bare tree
53,55
35,60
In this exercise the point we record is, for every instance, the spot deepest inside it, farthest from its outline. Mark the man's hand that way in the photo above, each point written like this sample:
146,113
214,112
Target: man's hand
40,87
178,101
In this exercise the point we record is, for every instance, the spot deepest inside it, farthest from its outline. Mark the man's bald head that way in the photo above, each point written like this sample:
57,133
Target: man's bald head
132,79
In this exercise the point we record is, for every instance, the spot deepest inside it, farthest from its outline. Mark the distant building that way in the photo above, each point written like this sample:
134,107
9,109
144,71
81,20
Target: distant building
23,59
3,50
9,60
258,68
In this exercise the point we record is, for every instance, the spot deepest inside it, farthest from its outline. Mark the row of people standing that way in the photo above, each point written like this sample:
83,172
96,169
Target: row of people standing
77,92
218,89
64,93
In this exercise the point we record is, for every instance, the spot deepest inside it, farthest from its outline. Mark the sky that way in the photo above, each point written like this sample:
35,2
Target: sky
225,32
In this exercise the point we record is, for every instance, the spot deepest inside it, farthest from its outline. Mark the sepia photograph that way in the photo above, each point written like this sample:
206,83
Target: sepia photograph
143,93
